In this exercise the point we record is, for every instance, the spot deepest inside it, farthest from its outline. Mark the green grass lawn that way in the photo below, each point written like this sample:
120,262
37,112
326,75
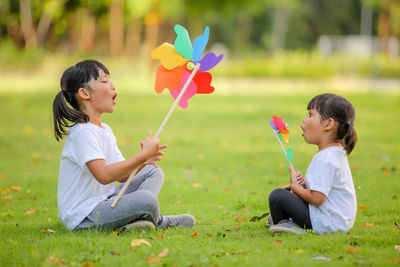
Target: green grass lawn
222,162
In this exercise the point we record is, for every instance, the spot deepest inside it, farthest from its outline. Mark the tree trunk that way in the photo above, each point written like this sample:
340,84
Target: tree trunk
243,30
87,31
279,27
152,23
116,27
384,27
133,37
27,28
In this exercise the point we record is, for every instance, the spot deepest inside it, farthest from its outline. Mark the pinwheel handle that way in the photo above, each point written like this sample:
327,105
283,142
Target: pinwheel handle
134,172
283,149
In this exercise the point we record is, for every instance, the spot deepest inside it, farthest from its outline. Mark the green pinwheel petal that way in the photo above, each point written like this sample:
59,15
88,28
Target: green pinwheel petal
289,153
182,42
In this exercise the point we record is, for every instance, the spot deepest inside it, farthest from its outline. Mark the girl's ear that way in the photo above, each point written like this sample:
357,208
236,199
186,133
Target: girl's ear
329,124
84,94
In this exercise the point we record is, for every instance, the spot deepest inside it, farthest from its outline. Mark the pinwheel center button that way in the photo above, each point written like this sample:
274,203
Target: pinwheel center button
190,65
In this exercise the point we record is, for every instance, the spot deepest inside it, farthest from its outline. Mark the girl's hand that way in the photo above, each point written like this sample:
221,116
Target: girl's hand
157,157
293,177
150,146
300,179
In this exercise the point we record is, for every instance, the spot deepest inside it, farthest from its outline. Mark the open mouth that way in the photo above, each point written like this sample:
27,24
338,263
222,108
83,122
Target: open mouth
115,96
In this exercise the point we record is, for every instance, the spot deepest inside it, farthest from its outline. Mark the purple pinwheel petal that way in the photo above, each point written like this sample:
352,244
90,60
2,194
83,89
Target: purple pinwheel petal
209,61
273,125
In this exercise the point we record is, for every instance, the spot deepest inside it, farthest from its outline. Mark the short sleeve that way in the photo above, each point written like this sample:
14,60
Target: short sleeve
320,176
118,155
86,147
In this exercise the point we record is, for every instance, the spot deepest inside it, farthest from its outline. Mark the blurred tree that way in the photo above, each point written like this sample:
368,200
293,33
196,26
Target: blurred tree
135,11
116,30
388,19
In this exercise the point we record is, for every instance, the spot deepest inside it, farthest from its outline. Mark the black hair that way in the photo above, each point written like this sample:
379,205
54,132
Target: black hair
342,111
73,78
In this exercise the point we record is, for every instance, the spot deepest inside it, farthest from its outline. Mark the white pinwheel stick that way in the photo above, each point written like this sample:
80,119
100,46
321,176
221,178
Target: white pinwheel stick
133,173
283,149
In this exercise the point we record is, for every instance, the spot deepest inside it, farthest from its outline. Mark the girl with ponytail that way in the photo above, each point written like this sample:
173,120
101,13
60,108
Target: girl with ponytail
326,202
91,161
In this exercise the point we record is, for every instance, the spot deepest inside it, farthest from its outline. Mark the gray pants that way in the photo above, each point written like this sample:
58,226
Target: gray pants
139,202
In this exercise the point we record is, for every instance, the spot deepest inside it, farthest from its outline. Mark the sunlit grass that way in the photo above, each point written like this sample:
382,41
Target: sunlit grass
221,163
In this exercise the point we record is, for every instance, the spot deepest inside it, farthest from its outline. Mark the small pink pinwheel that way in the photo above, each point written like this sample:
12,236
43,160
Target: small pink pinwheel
178,62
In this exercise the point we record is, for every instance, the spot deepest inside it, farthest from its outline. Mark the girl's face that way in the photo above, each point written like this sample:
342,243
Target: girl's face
104,94
312,127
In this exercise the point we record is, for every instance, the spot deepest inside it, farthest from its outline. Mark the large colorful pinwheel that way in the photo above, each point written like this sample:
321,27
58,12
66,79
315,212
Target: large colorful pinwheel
281,132
178,62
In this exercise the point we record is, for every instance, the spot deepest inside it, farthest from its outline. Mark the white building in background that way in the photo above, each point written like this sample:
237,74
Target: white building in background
357,45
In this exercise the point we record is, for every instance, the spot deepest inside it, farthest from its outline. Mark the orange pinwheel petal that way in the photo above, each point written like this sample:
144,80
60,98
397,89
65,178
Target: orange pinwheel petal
170,79
203,82
169,58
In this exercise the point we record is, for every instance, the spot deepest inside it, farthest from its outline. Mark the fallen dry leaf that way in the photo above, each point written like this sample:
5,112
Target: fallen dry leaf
257,218
28,130
352,251
28,212
214,221
397,247
4,190
163,253
396,260
48,230
278,242
208,234
244,209
237,228
241,218
153,259
362,207
195,185
116,253
56,261
298,251
178,202
238,236
365,225
226,189
139,242
15,188
193,235
2,176
87,264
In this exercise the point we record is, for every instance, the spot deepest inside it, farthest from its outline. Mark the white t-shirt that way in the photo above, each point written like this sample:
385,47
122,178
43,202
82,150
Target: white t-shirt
78,191
329,173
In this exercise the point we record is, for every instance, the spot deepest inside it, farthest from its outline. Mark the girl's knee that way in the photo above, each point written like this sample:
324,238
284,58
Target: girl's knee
149,203
276,194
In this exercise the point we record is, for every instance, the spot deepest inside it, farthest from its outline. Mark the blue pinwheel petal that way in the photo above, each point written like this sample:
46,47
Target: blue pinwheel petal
199,45
182,42
209,61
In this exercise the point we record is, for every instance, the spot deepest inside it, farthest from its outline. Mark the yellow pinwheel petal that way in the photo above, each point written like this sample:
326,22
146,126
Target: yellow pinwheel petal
169,58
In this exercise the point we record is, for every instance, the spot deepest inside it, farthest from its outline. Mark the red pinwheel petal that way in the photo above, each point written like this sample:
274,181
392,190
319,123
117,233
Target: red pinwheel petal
279,122
170,79
203,82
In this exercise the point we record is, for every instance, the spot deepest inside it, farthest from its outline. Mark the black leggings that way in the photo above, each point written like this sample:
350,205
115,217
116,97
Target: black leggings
284,205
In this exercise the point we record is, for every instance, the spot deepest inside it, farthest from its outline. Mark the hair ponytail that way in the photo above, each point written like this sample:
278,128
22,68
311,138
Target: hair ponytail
350,139
342,111
64,115
73,78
